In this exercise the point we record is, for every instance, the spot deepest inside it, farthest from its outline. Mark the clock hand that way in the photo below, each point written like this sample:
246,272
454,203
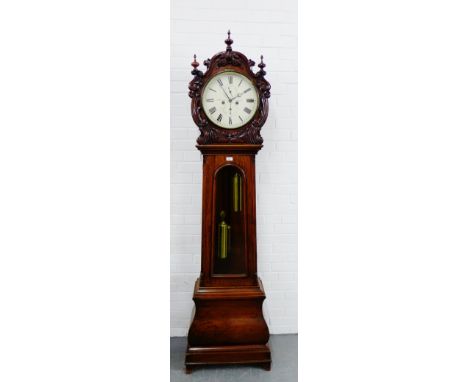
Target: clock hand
225,94
237,96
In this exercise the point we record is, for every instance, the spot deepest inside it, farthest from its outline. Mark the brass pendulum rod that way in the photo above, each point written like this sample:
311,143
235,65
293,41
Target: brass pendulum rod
237,192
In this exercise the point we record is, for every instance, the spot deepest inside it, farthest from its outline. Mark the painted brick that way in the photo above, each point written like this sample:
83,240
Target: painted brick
287,276
284,266
177,219
181,178
193,219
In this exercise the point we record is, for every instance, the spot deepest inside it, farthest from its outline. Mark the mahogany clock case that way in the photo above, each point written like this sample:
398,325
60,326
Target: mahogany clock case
228,326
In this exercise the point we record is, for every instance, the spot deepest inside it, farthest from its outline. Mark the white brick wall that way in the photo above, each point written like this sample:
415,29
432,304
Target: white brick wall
267,27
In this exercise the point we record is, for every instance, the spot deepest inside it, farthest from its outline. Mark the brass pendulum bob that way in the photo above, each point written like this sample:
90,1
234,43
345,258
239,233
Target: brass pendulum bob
224,237
237,192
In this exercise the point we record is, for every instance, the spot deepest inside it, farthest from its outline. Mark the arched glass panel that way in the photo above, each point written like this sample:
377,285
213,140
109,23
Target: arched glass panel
229,250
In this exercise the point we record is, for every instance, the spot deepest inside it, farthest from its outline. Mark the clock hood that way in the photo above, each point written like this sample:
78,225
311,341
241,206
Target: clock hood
237,62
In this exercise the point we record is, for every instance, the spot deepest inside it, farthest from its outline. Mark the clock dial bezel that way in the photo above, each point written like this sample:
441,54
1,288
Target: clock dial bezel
212,118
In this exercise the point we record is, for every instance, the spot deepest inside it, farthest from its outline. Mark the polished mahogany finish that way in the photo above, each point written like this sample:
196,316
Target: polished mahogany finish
228,326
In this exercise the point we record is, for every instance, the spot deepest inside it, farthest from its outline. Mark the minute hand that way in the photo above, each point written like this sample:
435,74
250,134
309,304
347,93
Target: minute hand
226,93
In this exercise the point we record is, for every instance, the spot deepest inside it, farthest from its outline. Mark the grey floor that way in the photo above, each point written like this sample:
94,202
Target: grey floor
283,367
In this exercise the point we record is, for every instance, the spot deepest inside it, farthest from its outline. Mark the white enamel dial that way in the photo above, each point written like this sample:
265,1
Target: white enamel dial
229,100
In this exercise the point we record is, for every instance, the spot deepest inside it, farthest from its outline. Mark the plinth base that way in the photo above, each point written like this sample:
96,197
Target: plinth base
228,327
228,355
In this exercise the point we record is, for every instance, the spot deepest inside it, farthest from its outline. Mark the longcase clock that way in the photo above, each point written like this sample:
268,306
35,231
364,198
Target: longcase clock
229,106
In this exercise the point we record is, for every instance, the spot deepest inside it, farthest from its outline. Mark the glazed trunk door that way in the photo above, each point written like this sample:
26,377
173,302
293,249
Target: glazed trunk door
230,223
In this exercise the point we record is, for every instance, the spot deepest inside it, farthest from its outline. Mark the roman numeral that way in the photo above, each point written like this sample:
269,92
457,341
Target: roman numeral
230,80
212,90
247,90
230,121
212,110
220,82
247,110
220,117
240,82
251,100
211,100
241,118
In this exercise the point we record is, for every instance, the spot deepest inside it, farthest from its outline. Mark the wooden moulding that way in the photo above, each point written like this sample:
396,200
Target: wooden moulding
228,355
216,149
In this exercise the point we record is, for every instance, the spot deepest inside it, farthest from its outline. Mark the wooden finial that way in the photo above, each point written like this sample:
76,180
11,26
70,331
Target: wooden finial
229,41
195,64
261,65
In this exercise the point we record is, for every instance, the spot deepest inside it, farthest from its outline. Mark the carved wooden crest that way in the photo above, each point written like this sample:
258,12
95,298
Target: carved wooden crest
235,61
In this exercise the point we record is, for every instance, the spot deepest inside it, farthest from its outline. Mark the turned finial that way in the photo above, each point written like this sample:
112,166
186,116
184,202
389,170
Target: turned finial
195,63
229,41
261,65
